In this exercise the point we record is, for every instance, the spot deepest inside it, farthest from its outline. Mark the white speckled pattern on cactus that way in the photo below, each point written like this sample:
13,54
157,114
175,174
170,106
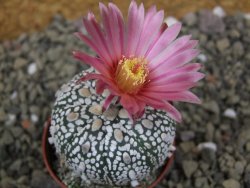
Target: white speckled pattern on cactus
103,149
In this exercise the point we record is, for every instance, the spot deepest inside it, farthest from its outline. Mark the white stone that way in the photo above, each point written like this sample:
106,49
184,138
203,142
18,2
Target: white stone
96,125
219,11
230,113
34,118
32,68
118,135
84,92
126,158
123,113
96,109
147,123
13,95
209,145
202,57
85,147
170,20
247,16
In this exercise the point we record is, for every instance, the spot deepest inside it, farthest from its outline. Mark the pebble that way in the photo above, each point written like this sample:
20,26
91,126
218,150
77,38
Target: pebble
212,106
207,145
6,138
219,11
32,68
170,20
72,116
187,135
189,167
230,113
222,44
210,23
85,148
190,19
231,183
41,180
20,63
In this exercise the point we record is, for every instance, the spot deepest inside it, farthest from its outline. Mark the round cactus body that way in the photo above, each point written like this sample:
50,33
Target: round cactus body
106,147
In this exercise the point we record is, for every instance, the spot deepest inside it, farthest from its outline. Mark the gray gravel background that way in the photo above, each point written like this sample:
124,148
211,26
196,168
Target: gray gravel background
213,142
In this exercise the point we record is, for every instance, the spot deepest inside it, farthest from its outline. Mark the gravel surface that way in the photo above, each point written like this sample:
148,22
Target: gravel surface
213,142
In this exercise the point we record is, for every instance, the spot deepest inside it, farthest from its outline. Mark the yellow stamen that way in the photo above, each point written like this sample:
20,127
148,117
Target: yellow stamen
131,74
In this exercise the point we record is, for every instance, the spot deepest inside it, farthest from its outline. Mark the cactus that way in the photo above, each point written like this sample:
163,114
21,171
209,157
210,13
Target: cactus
104,147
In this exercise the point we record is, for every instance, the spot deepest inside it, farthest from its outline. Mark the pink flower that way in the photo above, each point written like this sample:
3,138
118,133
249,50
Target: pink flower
140,61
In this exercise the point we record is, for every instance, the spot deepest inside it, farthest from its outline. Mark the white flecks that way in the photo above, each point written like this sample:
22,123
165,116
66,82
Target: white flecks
68,135
219,11
65,88
147,145
96,125
76,150
63,129
79,122
170,20
164,136
147,123
135,183
72,116
32,68
202,57
87,101
126,158
85,147
96,109
118,135
139,128
84,92
51,140
209,145
132,174
230,113
123,113
82,166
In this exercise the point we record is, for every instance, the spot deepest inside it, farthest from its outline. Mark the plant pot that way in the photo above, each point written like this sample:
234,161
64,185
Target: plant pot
49,156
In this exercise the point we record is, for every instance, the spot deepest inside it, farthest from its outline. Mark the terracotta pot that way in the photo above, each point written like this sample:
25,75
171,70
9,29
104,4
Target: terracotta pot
49,156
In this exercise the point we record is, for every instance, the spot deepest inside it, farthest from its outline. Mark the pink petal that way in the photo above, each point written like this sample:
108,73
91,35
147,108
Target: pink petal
165,39
176,78
164,105
135,25
170,51
184,96
174,62
152,24
92,61
108,101
112,29
95,32
121,27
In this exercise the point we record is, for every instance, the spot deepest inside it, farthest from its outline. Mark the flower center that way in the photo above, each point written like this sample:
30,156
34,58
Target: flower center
131,74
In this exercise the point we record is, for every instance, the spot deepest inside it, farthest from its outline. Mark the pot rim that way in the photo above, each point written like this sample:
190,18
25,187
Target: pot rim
62,185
